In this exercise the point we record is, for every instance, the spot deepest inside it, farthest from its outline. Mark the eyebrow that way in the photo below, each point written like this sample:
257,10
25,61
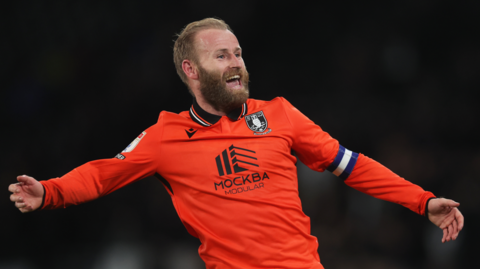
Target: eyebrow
226,50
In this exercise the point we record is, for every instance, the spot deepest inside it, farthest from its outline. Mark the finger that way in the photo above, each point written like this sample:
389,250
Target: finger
447,221
20,205
459,218
14,188
448,218
450,232
16,198
455,230
24,210
444,235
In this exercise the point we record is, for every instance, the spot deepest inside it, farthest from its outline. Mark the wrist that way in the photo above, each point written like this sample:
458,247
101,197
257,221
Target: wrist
426,206
43,198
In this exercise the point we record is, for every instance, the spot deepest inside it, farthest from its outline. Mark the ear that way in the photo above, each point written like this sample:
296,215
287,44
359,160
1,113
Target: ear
190,69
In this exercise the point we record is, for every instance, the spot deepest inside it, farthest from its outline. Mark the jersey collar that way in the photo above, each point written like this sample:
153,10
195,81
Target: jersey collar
204,118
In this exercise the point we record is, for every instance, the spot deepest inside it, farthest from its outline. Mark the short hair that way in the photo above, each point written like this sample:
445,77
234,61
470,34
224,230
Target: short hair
184,47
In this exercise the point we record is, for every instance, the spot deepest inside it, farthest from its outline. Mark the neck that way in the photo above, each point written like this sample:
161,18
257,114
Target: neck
207,107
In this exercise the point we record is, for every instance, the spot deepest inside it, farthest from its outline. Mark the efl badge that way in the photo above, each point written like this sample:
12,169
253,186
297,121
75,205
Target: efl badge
134,142
257,123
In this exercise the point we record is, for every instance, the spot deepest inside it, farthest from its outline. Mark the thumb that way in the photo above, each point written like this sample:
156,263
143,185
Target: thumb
24,179
450,203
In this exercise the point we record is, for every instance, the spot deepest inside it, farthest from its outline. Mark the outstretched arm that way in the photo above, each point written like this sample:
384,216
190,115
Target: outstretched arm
376,180
93,179
445,214
27,193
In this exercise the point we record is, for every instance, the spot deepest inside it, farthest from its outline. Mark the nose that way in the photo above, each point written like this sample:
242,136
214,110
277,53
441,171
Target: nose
235,62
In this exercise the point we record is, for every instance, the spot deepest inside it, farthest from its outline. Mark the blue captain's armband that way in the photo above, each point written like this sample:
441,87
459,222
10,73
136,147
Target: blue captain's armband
343,164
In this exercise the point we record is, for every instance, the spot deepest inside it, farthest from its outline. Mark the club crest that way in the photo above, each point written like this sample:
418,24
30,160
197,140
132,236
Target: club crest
257,123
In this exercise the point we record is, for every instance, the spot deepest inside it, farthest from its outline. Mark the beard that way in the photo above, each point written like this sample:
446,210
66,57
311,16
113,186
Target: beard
213,86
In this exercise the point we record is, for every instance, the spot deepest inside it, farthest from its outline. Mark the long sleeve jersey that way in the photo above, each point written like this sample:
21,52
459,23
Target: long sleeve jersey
233,180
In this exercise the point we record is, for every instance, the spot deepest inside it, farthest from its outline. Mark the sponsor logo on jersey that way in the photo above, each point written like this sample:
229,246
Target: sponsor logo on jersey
231,159
242,182
190,132
135,142
257,123
228,163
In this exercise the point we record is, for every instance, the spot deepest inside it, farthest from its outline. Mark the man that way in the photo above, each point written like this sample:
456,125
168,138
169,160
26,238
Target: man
228,166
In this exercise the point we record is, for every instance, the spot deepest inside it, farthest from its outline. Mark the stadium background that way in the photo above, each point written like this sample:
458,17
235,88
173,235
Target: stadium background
394,80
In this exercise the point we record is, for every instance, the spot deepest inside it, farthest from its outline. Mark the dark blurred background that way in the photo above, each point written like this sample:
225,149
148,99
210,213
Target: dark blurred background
395,80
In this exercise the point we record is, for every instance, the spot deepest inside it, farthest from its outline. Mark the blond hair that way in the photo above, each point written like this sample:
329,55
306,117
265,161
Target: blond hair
184,47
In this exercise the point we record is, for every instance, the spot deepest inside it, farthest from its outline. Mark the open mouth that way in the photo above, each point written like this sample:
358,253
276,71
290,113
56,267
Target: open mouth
234,82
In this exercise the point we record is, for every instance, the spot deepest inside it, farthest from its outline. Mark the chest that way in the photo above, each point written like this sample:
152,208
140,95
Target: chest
227,154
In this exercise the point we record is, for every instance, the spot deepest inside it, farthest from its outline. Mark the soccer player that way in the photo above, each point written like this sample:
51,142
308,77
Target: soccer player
227,163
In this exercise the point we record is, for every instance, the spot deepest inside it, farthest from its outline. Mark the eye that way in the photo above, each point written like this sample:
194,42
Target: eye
221,56
238,55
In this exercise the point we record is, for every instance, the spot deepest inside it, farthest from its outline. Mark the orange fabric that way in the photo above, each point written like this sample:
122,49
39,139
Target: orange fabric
233,188
372,178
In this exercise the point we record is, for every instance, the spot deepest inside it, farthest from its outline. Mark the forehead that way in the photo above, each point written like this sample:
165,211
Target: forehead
211,40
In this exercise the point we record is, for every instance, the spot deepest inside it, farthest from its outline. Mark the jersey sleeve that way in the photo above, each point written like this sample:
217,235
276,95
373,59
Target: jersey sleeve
101,177
313,146
319,151
374,179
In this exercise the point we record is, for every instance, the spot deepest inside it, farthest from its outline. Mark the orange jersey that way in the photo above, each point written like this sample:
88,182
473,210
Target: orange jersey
237,172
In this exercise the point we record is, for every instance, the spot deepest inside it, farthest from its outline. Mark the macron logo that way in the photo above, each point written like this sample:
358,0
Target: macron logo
190,132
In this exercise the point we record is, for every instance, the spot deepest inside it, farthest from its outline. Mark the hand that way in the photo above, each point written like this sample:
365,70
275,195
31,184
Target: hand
27,193
445,214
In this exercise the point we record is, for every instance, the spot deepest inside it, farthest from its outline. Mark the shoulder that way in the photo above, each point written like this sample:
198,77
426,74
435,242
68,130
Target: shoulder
255,104
171,116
